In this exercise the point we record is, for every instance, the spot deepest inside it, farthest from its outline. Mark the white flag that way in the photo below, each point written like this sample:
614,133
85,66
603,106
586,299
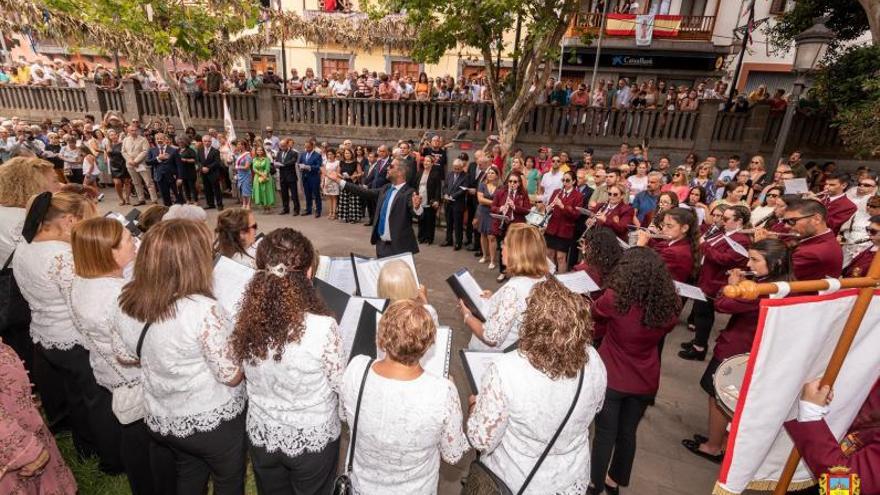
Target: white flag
227,121
644,29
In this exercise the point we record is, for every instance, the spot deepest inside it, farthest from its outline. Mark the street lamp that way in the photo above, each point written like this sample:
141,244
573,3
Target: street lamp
810,48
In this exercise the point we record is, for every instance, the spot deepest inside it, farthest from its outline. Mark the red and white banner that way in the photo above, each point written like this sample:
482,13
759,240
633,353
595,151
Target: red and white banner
794,340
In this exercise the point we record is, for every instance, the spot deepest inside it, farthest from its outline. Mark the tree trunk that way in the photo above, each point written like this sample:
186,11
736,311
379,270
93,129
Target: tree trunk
179,97
872,8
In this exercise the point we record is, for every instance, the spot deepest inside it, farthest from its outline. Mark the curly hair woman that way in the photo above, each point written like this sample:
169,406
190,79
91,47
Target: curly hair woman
20,178
236,232
293,361
637,310
525,395
601,249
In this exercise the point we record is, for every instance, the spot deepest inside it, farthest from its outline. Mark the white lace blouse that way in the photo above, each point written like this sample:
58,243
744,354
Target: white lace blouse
504,314
517,412
94,302
404,428
11,223
293,404
44,272
186,361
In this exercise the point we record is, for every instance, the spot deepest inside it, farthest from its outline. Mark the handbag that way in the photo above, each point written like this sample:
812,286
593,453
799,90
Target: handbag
14,309
342,485
128,399
482,481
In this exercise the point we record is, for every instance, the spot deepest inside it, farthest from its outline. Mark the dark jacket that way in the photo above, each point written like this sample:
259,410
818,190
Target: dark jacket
212,162
400,215
163,169
434,185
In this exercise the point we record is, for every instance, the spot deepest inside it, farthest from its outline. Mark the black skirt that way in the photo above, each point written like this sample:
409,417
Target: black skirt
557,243
707,382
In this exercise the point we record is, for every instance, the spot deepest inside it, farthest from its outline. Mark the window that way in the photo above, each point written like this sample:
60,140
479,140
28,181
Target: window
777,7
330,66
262,62
406,69
476,71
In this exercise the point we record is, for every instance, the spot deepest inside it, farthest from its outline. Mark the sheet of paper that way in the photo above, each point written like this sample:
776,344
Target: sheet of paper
436,358
578,282
689,291
472,288
796,186
230,281
737,247
368,272
623,244
478,362
337,272
118,217
349,322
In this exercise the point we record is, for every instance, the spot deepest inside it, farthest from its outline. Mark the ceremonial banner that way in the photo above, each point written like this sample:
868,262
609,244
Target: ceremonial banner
662,26
644,29
227,121
793,343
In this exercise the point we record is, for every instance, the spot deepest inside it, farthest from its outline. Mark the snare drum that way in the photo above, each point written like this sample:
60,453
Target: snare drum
537,219
728,381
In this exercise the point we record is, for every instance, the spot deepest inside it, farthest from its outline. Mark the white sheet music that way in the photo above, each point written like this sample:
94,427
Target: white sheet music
118,217
737,247
436,358
337,272
796,186
689,291
578,282
478,362
368,272
349,322
472,288
230,281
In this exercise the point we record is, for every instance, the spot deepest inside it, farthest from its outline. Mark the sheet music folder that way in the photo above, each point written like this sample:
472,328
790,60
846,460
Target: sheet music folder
468,290
475,364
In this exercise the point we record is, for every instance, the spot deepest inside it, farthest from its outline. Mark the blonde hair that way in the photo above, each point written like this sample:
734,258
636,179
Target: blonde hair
174,261
396,281
406,331
93,241
23,177
66,203
526,251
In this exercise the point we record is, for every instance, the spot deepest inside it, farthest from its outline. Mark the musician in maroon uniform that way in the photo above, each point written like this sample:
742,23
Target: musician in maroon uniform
681,248
769,260
563,209
860,448
840,208
512,201
601,249
615,213
720,253
818,254
859,265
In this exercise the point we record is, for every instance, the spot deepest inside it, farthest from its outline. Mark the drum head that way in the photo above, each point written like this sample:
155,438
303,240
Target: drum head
728,380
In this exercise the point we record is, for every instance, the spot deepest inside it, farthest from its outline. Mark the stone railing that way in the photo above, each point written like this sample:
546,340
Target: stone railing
703,131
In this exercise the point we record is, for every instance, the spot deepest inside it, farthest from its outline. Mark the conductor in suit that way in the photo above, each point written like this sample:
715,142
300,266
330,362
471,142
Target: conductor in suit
285,160
455,195
208,160
397,204
163,159
309,163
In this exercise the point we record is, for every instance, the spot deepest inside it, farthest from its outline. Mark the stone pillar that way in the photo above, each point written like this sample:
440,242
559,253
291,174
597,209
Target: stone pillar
129,98
756,127
707,115
266,107
93,105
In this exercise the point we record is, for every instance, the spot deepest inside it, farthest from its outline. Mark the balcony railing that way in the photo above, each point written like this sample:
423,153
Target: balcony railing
681,27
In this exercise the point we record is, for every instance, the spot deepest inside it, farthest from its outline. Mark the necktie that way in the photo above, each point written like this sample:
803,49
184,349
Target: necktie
383,212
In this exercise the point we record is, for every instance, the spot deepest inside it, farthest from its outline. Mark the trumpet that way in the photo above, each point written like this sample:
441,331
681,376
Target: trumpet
771,233
856,243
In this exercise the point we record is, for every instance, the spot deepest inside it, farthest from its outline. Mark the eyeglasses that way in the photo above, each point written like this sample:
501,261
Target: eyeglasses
613,195
772,195
867,184
556,160
567,180
872,231
791,221
513,182
252,227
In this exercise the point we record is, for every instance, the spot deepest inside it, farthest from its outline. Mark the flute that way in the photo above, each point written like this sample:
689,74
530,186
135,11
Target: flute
653,235
771,233
745,273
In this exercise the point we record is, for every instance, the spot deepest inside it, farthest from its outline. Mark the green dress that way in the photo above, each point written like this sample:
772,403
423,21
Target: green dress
264,190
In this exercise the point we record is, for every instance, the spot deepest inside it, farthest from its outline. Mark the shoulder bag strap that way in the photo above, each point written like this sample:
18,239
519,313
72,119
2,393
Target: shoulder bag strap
141,339
555,436
357,410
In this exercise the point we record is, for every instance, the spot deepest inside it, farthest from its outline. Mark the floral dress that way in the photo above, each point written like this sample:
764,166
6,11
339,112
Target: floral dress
264,183
330,188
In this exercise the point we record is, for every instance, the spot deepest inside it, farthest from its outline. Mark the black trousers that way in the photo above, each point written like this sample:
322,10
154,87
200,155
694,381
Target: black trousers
454,223
218,454
76,176
615,441
166,184
189,188
469,230
213,193
704,318
371,209
289,192
307,473
427,224
140,461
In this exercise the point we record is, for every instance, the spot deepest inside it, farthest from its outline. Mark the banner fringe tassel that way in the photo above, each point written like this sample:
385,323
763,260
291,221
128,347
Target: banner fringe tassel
765,485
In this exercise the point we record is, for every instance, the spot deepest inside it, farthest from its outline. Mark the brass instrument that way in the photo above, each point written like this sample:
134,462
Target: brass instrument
771,233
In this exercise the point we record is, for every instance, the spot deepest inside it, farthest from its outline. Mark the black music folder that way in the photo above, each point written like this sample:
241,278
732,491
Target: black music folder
468,290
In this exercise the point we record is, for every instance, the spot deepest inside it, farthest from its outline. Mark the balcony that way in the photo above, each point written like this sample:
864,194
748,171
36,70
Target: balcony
676,27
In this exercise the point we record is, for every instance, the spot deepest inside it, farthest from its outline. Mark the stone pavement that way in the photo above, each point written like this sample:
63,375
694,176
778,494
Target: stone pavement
662,465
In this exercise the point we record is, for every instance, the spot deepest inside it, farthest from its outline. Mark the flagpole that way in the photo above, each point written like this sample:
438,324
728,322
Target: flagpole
742,53
599,46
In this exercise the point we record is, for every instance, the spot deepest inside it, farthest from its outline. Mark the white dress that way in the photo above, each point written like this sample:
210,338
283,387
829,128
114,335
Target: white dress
517,412
94,302
293,404
11,223
186,361
44,272
404,428
504,314
330,187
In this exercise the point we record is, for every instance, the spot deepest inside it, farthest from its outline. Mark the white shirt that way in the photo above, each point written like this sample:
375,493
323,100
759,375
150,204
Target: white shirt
11,223
550,182
95,300
185,361
404,428
637,184
293,403
44,272
518,410
504,314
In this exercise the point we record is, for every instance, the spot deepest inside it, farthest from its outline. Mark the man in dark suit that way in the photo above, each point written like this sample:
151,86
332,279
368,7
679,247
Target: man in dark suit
163,159
409,160
285,160
455,195
398,205
476,170
580,225
376,178
367,181
208,160
309,163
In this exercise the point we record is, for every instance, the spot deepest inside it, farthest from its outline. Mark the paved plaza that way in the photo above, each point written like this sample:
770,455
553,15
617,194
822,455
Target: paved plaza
662,465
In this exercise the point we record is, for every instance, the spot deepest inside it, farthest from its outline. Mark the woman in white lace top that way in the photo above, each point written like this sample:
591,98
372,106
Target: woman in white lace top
102,248
397,281
525,395
192,397
408,419
235,235
524,253
292,359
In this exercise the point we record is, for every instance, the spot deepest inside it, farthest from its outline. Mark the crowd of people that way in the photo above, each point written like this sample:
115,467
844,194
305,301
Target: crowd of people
158,382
